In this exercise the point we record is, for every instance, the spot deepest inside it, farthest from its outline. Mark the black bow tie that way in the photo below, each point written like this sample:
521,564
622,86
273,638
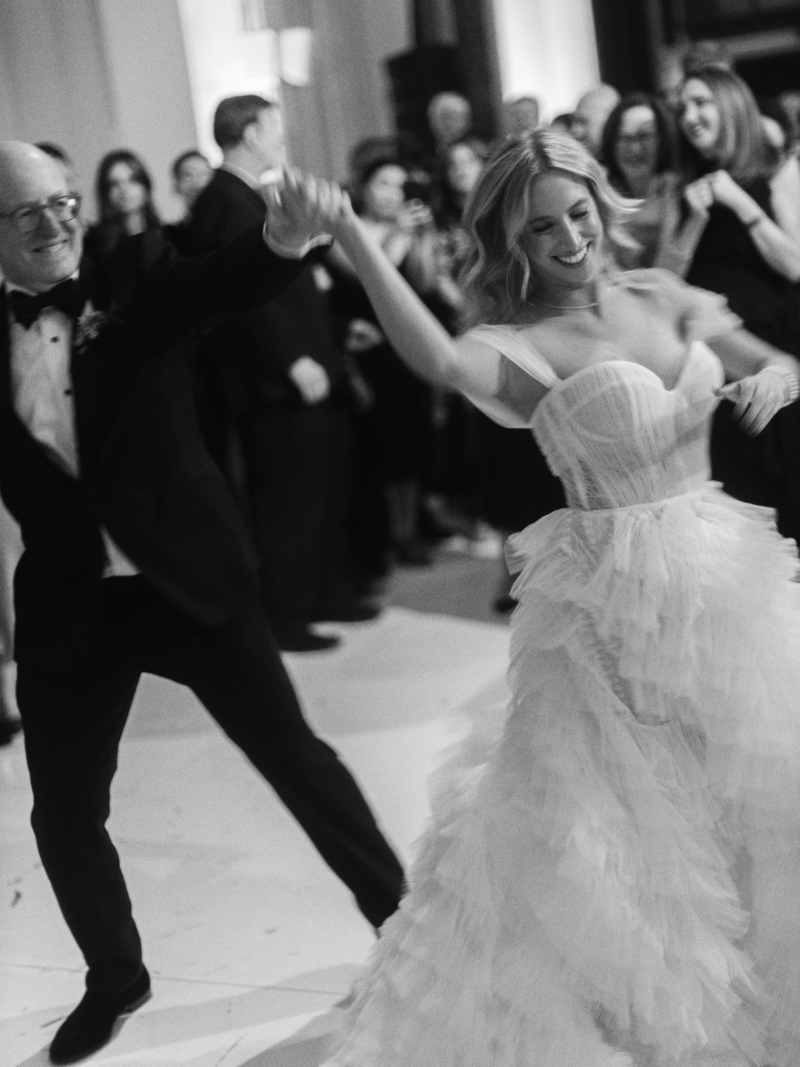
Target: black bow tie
65,296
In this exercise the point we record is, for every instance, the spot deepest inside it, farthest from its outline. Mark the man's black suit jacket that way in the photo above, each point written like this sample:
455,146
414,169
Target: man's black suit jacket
145,474
251,356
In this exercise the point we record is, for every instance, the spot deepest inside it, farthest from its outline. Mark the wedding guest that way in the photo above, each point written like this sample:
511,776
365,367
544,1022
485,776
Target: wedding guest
463,164
191,173
275,389
136,557
124,191
393,438
639,150
449,118
454,488
744,255
590,115
521,114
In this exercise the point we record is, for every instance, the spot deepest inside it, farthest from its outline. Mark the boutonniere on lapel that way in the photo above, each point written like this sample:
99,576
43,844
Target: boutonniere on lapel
90,324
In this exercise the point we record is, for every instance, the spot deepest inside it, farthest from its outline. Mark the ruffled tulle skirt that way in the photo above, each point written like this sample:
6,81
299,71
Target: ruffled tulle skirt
611,875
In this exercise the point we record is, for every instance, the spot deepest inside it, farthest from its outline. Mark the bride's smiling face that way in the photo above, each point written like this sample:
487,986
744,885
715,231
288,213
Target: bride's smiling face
563,237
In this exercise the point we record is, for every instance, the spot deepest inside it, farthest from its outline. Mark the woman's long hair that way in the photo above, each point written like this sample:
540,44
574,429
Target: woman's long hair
667,154
742,147
448,209
497,275
110,229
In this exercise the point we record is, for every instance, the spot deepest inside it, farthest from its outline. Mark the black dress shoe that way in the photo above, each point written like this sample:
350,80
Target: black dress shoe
304,640
91,1024
350,611
9,728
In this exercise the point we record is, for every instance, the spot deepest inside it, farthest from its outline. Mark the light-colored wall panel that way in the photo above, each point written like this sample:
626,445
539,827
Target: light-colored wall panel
94,75
347,97
152,98
547,49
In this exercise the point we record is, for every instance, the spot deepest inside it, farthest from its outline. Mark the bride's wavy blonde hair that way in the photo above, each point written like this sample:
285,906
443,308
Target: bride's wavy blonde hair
496,275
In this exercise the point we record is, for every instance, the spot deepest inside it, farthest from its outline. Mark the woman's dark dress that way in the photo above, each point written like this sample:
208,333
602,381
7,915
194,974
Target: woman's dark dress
764,469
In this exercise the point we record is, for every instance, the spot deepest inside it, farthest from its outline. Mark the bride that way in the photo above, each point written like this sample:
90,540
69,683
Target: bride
613,879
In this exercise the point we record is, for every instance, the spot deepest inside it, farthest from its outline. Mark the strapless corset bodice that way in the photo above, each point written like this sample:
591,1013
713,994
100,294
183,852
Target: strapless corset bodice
616,436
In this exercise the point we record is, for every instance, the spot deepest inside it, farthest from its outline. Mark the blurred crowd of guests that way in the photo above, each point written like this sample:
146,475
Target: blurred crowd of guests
343,462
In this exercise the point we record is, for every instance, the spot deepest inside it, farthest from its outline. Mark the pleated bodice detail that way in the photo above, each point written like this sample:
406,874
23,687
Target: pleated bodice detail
616,436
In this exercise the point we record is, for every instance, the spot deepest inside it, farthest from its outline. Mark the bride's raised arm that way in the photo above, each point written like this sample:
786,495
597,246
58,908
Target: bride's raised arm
413,332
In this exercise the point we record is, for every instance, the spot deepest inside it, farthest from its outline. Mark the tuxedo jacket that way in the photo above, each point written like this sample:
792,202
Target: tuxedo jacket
250,356
145,474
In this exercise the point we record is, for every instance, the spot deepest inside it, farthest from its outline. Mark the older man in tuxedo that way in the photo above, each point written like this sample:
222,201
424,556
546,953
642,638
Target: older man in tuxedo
136,558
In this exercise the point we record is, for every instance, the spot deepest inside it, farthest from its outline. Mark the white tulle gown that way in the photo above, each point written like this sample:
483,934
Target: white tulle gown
612,877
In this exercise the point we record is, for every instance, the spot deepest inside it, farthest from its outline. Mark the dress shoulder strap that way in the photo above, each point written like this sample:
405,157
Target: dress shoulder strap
509,342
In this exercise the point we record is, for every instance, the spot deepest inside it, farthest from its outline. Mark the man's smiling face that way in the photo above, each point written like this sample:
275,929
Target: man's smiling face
51,251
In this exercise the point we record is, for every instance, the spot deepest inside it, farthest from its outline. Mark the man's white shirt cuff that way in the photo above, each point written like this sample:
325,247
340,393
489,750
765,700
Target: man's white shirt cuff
293,251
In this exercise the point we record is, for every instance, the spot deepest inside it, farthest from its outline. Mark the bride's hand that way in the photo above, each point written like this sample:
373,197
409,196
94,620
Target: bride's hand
757,398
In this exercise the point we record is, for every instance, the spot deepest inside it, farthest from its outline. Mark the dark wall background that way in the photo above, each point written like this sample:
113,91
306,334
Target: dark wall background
631,33
456,50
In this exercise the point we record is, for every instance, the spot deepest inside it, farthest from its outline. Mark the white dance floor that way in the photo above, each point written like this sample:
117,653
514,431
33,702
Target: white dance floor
249,938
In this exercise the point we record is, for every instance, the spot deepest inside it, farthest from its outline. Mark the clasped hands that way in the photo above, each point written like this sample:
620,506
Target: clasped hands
302,208
721,188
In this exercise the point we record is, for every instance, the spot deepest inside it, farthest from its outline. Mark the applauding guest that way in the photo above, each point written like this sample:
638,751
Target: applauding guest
641,158
125,206
744,255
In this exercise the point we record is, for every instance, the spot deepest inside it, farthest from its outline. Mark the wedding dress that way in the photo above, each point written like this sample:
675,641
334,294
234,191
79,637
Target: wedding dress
612,875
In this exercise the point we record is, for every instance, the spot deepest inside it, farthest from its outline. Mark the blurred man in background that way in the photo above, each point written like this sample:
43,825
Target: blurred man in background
590,116
521,115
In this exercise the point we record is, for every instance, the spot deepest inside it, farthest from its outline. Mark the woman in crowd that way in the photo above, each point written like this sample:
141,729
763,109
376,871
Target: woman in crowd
610,878
744,255
191,173
393,434
125,207
463,164
640,154
455,495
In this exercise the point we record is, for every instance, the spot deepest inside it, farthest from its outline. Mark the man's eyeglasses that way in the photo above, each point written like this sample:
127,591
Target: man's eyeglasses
28,217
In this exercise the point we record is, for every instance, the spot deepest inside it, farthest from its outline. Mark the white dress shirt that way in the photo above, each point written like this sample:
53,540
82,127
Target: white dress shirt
41,391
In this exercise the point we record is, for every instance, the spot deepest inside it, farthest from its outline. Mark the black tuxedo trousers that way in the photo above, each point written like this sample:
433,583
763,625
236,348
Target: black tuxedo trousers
73,723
